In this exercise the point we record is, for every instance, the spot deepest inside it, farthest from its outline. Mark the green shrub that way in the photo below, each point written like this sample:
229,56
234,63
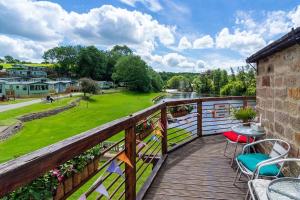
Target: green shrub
244,114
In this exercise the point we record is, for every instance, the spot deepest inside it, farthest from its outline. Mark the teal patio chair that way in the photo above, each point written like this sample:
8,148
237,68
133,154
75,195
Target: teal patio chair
247,163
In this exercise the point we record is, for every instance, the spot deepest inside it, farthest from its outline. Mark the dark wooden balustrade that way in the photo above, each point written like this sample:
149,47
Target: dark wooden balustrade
22,170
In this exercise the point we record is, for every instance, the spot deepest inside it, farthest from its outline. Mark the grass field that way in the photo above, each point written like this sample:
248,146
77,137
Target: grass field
9,117
12,101
42,132
9,65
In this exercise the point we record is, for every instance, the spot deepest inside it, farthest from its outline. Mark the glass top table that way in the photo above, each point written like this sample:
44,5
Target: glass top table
284,189
247,131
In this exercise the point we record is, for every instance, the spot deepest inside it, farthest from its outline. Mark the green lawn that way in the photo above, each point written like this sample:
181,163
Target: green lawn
12,101
9,117
42,132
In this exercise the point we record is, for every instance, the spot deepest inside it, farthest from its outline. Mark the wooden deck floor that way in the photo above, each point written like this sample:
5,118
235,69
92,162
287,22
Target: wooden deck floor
198,170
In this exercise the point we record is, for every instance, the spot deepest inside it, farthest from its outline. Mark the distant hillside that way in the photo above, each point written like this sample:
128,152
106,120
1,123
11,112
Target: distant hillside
8,65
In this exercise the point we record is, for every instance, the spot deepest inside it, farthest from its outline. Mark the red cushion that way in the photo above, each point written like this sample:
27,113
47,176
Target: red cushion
232,136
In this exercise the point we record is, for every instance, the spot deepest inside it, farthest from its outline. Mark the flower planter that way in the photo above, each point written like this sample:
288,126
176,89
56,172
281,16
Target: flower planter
96,163
143,134
76,179
59,194
179,113
84,173
68,185
90,167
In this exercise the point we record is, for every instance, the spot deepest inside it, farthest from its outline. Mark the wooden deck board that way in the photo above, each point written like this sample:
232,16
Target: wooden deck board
198,170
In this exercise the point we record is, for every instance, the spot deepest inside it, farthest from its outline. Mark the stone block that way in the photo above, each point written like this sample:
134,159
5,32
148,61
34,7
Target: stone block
278,105
295,123
292,108
281,117
297,138
290,81
266,82
278,81
279,128
289,133
270,116
281,93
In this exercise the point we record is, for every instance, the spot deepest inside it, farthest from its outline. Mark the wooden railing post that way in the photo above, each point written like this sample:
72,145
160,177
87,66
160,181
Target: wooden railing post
130,172
199,118
245,103
164,124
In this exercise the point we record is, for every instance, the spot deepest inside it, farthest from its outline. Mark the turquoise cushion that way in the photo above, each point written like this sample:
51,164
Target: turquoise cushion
251,160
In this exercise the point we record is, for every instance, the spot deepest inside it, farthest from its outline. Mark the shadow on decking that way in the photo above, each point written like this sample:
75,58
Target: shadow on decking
198,170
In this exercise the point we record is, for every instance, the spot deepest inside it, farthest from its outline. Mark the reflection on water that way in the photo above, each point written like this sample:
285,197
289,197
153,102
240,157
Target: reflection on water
210,123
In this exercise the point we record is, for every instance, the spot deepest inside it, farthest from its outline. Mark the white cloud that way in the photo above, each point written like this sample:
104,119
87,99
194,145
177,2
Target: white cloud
38,20
174,62
241,41
23,49
184,43
203,42
41,21
152,5
216,60
294,15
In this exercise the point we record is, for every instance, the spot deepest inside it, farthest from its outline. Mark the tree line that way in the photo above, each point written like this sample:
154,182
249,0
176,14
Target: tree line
121,66
216,82
118,65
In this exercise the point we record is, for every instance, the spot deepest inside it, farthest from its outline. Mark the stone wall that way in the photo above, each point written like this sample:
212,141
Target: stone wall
278,95
11,130
47,113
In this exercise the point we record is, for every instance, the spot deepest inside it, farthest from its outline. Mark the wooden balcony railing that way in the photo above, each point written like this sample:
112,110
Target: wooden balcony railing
207,116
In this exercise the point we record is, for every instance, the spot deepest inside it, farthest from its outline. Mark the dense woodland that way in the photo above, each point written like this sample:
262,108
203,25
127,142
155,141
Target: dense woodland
121,65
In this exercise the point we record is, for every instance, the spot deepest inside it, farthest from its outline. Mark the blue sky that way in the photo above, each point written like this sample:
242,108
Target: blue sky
170,35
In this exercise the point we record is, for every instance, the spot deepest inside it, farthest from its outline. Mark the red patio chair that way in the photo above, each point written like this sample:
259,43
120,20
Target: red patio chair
235,139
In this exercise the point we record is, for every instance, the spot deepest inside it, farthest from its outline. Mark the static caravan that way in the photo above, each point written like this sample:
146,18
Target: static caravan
26,89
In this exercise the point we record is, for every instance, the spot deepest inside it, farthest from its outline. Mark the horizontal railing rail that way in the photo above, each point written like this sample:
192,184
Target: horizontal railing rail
171,131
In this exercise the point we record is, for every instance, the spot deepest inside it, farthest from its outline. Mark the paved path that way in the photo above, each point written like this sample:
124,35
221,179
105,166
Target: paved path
27,103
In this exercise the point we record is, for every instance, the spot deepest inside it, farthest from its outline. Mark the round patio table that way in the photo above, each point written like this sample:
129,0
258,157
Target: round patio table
284,189
247,131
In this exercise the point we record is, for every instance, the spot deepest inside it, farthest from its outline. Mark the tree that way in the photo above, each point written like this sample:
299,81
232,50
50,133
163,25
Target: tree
233,88
9,59
179,82
133,71
156,81
91,63
122,50
1,67
50,55
65,56
88,86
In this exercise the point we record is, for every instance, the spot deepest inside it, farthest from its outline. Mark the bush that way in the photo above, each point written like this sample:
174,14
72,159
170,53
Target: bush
88,86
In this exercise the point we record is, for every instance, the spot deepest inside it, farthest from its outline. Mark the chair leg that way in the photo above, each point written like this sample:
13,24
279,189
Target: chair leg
225,148
234,154
240,176
237,174
247,195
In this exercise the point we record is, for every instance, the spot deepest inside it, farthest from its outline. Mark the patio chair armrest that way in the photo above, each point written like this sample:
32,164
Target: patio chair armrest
270,161
258,142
